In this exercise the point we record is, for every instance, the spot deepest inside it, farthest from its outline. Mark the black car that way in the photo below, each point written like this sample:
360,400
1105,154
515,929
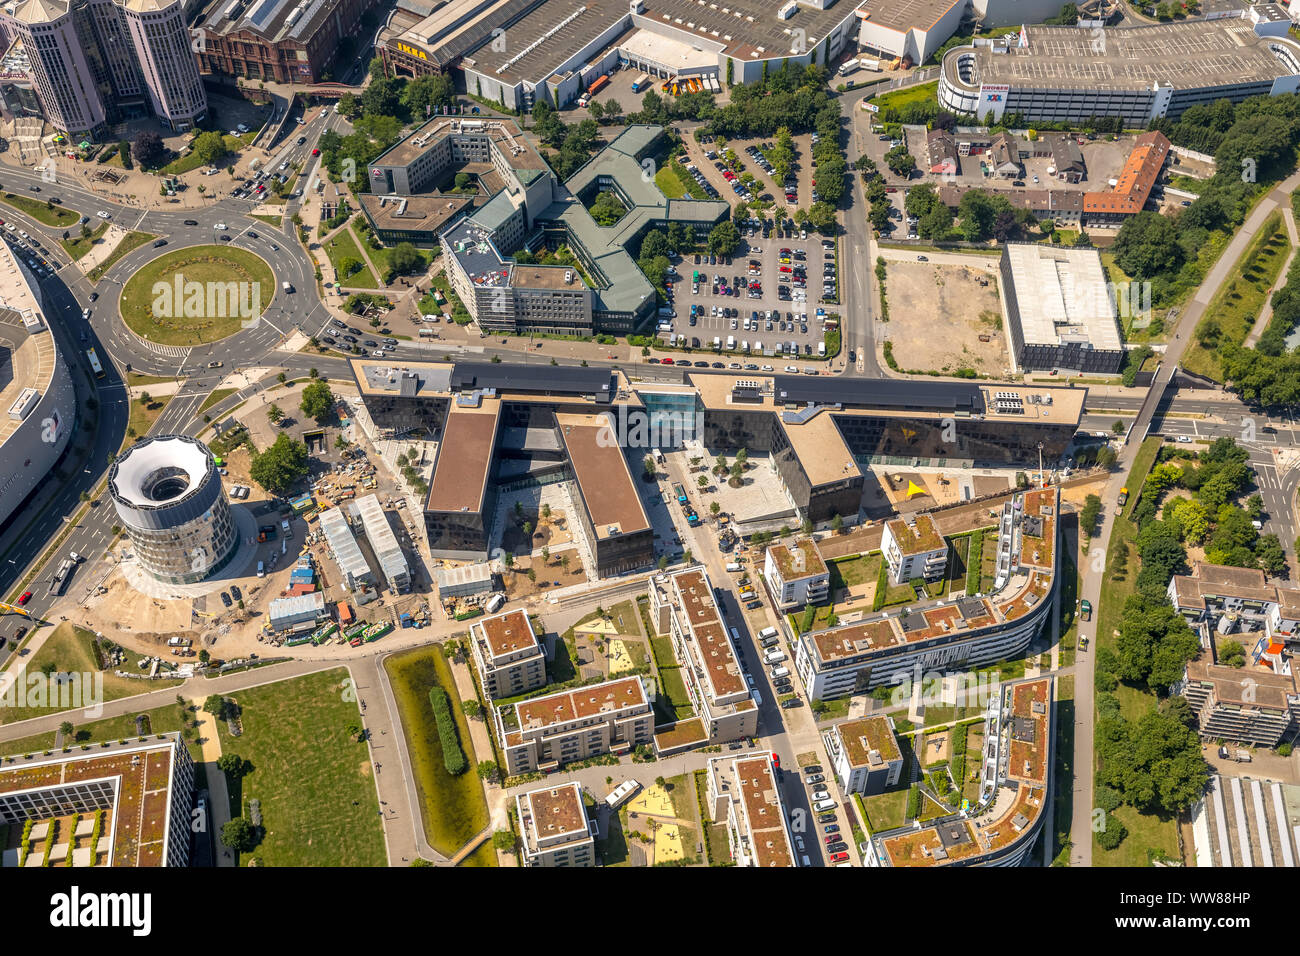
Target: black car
94,296
191,222
159,243
792,702
34,189
237,594
370,344
719,365
826,818
225,599
224,237
354,331
349,338
251,234
328,341
701,364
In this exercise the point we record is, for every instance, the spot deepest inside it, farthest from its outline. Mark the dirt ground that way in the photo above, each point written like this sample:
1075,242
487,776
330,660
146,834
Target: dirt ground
938,315
518,586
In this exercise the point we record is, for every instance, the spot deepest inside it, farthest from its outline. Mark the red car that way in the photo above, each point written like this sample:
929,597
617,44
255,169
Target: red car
667,361
776,762
839,857
315,152
27,596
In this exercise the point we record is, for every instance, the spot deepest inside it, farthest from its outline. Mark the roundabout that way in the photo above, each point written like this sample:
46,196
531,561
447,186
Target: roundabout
197,295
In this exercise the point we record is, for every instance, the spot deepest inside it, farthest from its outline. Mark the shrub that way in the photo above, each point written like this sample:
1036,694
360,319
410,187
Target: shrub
453,757
1113,835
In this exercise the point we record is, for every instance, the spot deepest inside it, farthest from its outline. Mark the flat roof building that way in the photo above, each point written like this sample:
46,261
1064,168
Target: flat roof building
142,791
1059,310
914,548
354,570
507,655
544,733
1137,73
392,562
465,580
1234,600
1002,825
295,614
957,633
864,754
554,827
743,792
796,573
1258,706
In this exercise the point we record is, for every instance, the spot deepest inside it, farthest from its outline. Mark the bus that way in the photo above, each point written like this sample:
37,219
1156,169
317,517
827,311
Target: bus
94,363
622,793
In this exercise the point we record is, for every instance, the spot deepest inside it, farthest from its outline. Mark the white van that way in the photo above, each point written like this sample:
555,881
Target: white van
768,632
285,529
496,601
261,569
774,656
779,672
823,806
733,567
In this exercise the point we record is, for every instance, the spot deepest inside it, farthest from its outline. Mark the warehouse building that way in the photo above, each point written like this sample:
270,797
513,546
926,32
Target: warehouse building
298,613
1136,73
36,390
353,568
1058,310
909,30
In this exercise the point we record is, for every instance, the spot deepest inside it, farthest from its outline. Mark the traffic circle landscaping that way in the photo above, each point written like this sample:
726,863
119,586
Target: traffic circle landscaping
197,295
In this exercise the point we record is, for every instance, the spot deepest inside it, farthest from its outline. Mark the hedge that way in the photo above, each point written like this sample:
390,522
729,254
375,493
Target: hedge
974,560
957,751
913,802
452,755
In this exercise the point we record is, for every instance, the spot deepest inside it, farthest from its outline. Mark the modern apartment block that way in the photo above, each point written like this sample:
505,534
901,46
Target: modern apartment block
144,789
743,792
864,754
554,827
958,633
1237,600
507,654
796,574
97,63
684,604
914,548
544,733
1015,775
1259,706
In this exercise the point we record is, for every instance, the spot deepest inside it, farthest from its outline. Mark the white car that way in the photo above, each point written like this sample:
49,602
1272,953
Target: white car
1185,439
85,313
792,369
768,368
221,227
103,215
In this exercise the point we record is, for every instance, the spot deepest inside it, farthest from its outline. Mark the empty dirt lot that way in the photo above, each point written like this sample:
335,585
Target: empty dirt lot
938,314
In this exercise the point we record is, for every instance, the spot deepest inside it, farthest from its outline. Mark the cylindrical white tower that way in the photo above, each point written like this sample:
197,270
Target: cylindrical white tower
169,496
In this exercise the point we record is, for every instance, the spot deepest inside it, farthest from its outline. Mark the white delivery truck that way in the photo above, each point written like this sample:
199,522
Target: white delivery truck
848,66
872,66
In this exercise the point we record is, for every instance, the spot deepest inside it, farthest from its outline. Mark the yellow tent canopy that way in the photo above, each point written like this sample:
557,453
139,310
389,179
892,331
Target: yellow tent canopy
913,489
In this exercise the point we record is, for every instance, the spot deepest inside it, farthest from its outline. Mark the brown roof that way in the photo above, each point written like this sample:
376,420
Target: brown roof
601,470
861,737
1135,181
1266,689
507,633
763,810
557,810
784,559
581,702
1220,581
460,474
919,536
712,642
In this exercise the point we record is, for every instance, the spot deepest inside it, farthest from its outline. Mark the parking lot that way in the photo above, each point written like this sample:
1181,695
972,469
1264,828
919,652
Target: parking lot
754,299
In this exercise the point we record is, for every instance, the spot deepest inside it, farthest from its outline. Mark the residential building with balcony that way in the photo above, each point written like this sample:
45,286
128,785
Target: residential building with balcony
864,754
743,792
796,574
1002,825
554,828
914,548
685,605
962,632
544,733
507,654
1237,600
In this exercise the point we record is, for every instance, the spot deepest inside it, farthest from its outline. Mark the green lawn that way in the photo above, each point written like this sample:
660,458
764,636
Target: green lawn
135,378
78,247
130,242
1238,304
885,811
314,783
215,398
913,94
50,215
452,809
142,416
344,245
69,650
269,220
161,720
1144,829
381,255
849,572
201,318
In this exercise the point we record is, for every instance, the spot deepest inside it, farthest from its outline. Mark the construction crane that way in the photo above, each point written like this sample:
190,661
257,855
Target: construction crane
14,609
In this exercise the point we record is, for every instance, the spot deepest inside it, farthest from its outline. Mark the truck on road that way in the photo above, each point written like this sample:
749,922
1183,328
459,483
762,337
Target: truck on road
1123,496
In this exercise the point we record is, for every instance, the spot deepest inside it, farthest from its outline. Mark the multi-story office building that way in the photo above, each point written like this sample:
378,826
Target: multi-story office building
796,574
914,548
507,654
500,424
544,733
743,792
1015,775
97,63
686,607
1073,74
961,633
142,790
554,827
820,432
281,41
519,204
864,754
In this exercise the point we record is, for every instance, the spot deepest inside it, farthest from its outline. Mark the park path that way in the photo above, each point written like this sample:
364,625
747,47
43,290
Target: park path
218,793
1267,312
